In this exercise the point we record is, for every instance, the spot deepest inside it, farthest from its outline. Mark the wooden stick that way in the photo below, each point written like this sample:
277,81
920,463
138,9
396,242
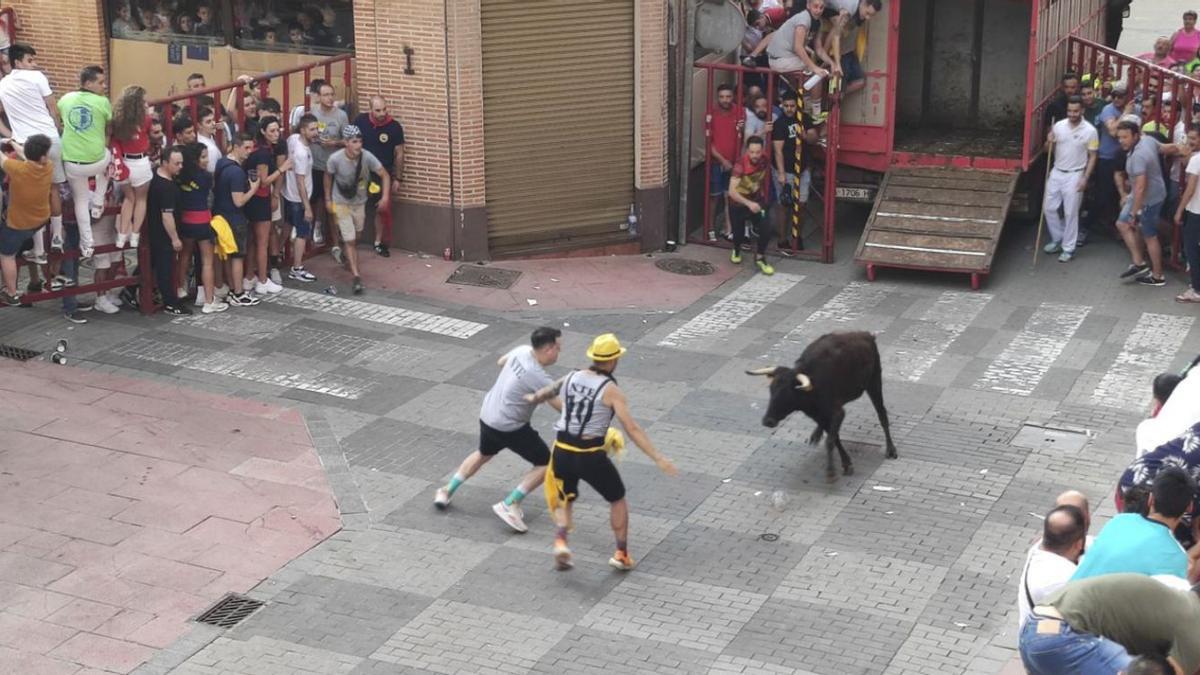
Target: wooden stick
1037,245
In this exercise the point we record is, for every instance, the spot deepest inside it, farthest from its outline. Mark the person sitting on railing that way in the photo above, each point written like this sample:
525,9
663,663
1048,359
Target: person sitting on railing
847,21
791,48
131,137
30,177
1185,42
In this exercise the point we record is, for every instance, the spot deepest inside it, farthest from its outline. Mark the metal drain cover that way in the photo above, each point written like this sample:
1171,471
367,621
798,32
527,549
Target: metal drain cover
1037,437
17,353
229,611
487,277
692,268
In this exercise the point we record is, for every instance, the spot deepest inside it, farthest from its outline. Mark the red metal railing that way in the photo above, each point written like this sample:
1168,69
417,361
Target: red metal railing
1149,81
829,189
1054,24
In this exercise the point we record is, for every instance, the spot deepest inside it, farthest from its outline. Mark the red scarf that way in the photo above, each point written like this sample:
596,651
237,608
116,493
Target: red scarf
386,121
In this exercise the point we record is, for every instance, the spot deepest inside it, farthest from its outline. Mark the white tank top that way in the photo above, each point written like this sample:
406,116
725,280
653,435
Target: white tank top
584,414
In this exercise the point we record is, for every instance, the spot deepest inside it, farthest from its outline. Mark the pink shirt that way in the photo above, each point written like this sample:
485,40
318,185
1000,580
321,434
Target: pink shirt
1186,45
1167,62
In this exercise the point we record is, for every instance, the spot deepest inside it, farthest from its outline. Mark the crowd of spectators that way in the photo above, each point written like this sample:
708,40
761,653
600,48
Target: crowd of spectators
219,204
271,25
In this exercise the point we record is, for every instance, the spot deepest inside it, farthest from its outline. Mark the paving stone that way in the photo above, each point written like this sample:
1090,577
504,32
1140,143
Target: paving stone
932,649
970,602
334,615
703,451
740,506
265,656
876,585
411,449
592,652
685,613
443,406
450,637
721,558
593,538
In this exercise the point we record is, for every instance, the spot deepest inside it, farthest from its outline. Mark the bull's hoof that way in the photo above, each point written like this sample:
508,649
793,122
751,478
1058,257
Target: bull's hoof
816,437
848,471
892,454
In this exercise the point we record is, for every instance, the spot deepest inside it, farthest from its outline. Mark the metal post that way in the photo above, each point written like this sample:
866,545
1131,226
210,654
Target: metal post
685,153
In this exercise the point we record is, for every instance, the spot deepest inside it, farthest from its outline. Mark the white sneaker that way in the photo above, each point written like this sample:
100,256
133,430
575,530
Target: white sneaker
122,239
275,277
269,287
336,252
200,300
441,498
248,284
242,300
56,243
86,252
214,307
96,211
511,515
221,292
114,296
105,305
134,239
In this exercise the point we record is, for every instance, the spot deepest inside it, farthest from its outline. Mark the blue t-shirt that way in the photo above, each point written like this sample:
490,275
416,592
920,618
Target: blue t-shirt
1110,147
1133,543
230,179
194,191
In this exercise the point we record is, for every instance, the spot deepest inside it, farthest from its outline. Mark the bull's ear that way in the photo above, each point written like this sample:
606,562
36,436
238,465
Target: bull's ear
803,383
768,371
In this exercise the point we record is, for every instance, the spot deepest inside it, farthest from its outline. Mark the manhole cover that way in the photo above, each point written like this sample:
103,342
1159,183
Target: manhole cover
488,277
692,268
769,536
230,611
1037,437
17,353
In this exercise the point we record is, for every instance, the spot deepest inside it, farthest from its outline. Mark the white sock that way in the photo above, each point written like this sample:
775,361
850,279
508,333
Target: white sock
56,228
39,243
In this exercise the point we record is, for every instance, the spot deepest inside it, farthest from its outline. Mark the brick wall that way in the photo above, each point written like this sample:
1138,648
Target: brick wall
67,34
650,69
383,28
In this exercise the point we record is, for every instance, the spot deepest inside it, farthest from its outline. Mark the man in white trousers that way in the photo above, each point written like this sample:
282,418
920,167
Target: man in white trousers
1074,143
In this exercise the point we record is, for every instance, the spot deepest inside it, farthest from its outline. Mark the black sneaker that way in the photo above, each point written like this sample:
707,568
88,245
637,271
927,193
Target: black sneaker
358,286
75,317
1151,280
177,310
7,298
35,286
1135,270
383,251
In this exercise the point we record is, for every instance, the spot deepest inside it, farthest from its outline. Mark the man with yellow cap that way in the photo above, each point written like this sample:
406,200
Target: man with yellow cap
590,400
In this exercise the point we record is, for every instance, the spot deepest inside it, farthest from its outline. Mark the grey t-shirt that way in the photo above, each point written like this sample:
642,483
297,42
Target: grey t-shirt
504,407
330,126
1144,159
784,40
342,170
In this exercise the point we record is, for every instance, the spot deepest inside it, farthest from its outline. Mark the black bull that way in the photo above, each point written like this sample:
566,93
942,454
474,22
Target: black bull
834,370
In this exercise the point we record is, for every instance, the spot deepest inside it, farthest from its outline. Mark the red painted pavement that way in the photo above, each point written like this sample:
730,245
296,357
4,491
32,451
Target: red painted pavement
127,507
607,282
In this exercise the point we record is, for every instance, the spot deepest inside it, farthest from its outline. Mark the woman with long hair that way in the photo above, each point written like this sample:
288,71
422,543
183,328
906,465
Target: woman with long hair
131,141
258,209
195,186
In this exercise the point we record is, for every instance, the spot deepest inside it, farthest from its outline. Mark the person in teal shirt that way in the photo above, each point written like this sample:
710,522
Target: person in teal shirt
87,117
1146,544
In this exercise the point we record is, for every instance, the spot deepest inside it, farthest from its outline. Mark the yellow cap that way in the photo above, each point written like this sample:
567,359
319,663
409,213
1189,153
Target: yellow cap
606,348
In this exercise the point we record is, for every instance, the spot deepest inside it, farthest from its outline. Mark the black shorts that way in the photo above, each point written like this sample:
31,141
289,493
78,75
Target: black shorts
258,210
241,234
524,441
594,468
318,192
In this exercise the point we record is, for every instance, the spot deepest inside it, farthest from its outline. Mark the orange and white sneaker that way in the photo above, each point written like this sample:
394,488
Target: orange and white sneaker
622,561
562,555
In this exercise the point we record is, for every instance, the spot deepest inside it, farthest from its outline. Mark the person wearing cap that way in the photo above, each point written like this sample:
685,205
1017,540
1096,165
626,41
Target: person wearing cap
1095,625
584,441
347,175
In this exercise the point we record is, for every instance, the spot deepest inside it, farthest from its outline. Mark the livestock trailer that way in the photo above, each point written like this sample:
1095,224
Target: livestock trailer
949,120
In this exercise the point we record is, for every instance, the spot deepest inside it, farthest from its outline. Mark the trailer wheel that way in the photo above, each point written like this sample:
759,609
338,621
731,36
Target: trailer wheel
870,272
975,281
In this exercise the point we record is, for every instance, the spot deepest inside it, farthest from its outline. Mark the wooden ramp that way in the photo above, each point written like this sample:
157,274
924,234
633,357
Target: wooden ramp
943,220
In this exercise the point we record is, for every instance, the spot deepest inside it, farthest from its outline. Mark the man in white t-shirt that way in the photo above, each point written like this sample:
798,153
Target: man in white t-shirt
504,423
1050,564
26,98
297,193
1188,216
1074,143
206,130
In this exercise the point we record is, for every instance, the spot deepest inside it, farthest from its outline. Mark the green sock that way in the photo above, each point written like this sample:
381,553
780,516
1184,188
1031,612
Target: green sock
515,496
456,481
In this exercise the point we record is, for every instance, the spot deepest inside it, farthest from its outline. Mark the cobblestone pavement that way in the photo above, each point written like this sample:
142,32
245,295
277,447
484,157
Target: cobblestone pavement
749,561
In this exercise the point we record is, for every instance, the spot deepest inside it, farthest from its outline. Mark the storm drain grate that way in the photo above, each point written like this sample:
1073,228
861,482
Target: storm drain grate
17,353
1037,437
487,277
691,268
230,611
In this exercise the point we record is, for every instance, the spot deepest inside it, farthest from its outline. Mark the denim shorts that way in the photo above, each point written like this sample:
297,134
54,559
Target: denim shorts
718,180
12,241
293,214
1148,219
852,70
1058,648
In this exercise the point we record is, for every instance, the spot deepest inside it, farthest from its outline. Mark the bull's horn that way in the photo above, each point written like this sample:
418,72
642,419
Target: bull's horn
803,383
769,370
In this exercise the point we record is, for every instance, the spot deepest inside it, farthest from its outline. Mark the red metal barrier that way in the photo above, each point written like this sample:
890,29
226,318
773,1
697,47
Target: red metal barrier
826,227
1148,81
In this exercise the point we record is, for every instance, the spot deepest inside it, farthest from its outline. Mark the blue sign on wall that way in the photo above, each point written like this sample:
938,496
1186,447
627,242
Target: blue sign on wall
197,52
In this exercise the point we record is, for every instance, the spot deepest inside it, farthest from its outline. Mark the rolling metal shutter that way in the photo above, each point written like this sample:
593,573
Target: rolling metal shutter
558,121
